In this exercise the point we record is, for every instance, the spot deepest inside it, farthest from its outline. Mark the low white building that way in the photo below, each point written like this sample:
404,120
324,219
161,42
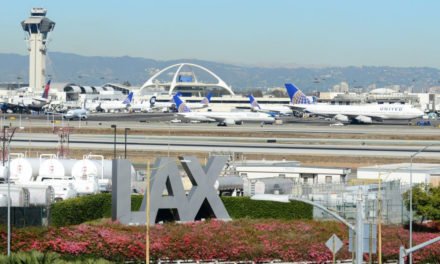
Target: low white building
425,173
295,172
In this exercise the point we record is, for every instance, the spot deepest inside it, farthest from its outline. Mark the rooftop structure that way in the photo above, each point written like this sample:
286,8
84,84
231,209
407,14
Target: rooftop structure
187,78
425,173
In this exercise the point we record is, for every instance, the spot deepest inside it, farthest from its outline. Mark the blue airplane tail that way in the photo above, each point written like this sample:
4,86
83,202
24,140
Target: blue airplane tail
207,99
253,102
295,95
129,99
46,90
180,105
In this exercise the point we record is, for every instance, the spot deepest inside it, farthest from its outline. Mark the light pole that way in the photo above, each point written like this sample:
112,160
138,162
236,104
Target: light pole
114,141
411,198
9,190
9,182
125,152
4,144
379,210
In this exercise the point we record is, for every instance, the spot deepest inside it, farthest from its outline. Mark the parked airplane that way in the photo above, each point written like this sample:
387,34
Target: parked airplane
143,106
44,99
272,110
171,106
223,118
360,113
80,114
297,96
27,104
115,105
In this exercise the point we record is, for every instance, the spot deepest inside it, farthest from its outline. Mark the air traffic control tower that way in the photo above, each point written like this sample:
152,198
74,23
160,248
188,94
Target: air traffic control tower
37,27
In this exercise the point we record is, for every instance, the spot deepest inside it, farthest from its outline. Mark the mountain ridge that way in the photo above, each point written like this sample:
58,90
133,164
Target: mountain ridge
96,70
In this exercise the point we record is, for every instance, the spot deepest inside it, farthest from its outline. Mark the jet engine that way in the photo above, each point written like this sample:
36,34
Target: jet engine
364,119
227,122
342,118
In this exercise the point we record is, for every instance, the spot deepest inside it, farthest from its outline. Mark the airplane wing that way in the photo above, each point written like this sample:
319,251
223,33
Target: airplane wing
201,118
223,119
198,106
243,107
358,118
296,107
42,100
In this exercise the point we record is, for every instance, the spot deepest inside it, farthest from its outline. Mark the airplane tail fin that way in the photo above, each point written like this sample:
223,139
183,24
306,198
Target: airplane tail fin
253,102
129,99
45,94
207,99
295,95
180,105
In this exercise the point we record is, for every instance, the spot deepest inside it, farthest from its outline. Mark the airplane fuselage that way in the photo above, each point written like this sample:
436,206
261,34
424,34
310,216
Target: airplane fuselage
228,116
375,111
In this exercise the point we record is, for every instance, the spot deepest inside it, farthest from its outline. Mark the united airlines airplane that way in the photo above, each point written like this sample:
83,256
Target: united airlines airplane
167,106
272,110
223,118
362,113
115,105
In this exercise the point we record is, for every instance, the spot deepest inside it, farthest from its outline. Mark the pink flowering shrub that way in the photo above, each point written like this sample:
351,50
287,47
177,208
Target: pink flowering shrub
256,240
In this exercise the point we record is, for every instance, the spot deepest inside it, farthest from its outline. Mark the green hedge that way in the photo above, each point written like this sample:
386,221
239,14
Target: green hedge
244,207
86,208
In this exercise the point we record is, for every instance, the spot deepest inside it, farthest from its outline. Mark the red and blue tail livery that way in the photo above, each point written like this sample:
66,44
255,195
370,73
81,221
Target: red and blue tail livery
46,90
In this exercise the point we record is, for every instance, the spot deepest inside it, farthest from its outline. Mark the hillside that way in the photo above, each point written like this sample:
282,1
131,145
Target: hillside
66,67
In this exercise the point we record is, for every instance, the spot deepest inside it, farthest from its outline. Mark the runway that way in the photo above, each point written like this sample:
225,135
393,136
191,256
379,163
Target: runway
303,137
162,120
233,144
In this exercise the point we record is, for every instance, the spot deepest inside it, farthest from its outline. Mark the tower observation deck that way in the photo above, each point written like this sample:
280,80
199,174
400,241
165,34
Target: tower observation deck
37,27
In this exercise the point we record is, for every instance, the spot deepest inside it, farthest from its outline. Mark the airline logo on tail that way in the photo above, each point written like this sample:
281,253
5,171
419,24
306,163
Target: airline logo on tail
45,94
181,106
152,100
129,99
207,99
253,102
295,95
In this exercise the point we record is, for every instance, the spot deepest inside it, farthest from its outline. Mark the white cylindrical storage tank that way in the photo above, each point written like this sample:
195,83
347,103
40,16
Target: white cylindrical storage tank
51,169
84,169
19,195
85,176
39,193
108,169
24,170
68,165
3,200
104,170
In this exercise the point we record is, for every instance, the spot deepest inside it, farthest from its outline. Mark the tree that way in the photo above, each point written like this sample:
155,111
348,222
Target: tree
426,203
279,93
255,92
126,83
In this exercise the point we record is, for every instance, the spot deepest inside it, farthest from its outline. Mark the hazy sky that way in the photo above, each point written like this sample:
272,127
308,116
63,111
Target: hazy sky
253,32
